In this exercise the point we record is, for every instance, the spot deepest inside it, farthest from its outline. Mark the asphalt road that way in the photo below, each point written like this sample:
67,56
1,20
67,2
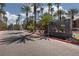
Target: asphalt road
37,47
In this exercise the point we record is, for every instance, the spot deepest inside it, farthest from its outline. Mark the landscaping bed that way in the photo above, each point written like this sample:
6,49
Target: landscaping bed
60,38
59,35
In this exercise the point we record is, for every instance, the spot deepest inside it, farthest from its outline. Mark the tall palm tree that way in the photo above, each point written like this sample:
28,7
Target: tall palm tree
52,9
38,12
18,25
58,4
26,9
59,13
72,12
41,9
18,20
2,5
35,5
49,7
2,12
3,18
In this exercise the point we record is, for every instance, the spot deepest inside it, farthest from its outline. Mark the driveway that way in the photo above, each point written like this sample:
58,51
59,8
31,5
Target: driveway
38,48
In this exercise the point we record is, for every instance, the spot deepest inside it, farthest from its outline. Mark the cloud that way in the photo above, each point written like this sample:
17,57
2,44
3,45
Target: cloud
23,15
32,9
44,11
55,9
11,17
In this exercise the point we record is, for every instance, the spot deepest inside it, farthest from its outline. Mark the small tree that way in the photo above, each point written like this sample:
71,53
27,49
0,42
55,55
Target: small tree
30,26
45,19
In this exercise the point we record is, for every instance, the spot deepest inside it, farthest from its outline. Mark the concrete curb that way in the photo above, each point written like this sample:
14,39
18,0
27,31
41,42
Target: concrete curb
66,41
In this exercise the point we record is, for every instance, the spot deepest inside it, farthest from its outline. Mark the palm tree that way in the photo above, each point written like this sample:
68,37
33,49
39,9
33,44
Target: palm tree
3,18
52,9
41,9
59,13
38,12
58,4
49,7
26,9
17,25
2,5
2,12
72,12
35,5
18,20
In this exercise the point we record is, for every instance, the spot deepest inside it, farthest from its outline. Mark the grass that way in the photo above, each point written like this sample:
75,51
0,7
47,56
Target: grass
76,36
77,40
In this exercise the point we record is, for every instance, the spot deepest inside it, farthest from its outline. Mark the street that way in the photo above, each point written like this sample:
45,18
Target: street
37,47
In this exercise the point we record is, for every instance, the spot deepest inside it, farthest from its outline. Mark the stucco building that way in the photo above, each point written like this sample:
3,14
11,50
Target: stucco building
76,22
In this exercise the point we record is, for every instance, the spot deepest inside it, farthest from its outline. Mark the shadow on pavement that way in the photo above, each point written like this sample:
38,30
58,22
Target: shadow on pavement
18,39
21,38
16,33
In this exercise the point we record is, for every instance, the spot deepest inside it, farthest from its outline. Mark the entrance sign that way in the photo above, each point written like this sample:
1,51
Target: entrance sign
67,23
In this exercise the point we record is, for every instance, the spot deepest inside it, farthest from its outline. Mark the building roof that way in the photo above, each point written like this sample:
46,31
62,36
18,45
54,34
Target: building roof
76,18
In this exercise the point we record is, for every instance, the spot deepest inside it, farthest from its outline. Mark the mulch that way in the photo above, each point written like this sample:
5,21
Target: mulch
66,41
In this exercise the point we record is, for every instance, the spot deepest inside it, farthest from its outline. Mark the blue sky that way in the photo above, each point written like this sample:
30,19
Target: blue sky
70,5
16,8
13,9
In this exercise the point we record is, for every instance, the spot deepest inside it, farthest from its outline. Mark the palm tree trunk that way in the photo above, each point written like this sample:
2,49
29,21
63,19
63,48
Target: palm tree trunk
35,17
38,15
26,19
60,19
49,10
41,11
58,15
1,7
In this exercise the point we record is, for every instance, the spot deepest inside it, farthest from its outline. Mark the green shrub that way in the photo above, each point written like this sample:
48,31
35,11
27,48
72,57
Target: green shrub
3,26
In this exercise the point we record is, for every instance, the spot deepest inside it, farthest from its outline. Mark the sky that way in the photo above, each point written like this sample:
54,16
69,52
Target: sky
16,7
13,9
